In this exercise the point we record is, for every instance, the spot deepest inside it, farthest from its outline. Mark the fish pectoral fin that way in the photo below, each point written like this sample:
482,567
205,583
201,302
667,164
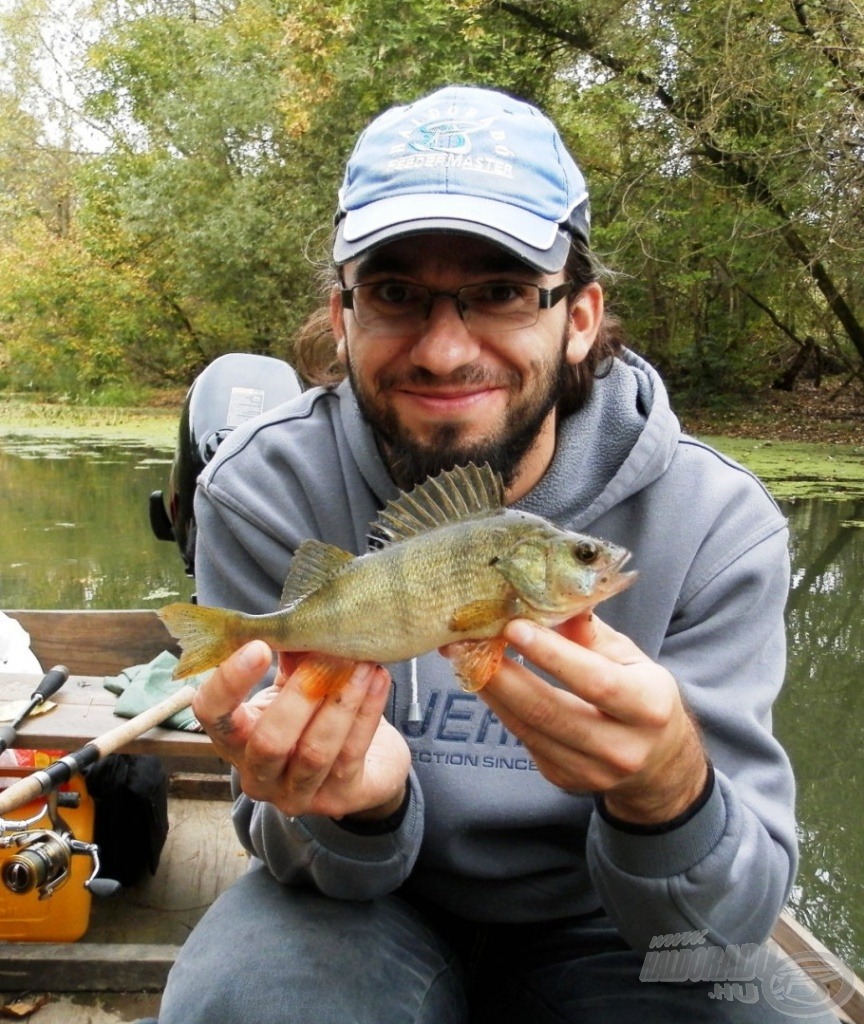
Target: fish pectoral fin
321,675
479,614
476,661
315,563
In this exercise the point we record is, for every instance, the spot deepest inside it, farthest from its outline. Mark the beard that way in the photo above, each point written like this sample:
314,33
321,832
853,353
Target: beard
412,460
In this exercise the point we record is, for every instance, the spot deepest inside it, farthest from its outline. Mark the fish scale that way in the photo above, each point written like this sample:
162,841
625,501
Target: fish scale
451,566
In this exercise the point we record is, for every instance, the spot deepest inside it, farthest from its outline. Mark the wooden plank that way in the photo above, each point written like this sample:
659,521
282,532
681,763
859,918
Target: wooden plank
95,642
200,786
85,967
85,709
819,963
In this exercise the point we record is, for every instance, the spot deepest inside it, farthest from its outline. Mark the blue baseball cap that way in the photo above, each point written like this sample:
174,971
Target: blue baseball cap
467,160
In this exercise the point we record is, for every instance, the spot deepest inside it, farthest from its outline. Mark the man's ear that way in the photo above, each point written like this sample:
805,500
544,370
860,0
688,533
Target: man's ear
337,323
585,317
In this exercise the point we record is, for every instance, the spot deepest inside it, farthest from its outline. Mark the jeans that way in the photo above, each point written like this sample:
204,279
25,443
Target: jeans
267,954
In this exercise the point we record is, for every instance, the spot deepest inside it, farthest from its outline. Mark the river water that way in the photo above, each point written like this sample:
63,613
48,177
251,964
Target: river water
76,534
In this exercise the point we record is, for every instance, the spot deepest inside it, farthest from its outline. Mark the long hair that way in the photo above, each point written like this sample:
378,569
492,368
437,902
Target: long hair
315,346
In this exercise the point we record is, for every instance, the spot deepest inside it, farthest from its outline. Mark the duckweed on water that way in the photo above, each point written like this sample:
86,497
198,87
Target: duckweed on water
155,428
793,470
789,469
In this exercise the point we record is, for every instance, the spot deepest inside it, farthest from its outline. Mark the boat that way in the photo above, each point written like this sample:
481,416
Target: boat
133,938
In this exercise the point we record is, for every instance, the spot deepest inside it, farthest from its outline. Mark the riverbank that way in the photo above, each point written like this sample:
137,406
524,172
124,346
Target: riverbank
156,425
802,444
806,443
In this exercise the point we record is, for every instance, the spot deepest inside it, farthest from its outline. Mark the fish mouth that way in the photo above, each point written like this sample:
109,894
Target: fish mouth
620,561
612,580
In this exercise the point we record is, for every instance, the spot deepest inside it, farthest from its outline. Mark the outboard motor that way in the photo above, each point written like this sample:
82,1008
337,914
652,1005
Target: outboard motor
231,390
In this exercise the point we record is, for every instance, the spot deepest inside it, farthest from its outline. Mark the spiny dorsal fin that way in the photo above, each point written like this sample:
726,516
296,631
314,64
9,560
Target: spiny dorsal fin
315,563
460,493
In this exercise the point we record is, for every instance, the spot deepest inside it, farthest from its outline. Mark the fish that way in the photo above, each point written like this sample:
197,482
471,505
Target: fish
448,564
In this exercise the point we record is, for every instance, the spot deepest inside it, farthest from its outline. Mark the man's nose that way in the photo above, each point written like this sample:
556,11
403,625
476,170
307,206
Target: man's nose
445,343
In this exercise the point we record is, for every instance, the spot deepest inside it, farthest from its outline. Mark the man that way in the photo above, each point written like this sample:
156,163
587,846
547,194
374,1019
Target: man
423,854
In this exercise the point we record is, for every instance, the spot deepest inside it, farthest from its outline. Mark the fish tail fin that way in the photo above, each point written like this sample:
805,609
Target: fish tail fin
207,636
323,674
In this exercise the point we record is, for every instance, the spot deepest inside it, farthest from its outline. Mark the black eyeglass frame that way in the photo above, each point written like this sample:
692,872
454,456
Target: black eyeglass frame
547,297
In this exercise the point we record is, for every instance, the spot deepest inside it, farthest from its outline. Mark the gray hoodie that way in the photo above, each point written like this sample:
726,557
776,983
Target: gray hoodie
485,835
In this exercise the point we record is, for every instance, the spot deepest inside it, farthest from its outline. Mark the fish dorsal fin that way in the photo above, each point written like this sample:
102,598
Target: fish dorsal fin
460,493
315,563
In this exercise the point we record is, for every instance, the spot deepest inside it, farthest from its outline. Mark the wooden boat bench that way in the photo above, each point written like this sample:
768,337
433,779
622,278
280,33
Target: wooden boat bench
93,644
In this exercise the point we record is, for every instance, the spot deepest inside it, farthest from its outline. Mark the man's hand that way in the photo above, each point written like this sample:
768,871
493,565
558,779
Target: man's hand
618,726
332,757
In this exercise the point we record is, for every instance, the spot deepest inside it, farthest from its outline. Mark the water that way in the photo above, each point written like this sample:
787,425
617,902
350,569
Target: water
820,718
76,534
76,529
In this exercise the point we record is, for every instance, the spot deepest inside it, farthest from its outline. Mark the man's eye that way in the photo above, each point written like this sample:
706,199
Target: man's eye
394,293
500,293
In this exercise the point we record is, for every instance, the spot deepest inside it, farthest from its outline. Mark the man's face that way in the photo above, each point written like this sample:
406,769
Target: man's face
445,392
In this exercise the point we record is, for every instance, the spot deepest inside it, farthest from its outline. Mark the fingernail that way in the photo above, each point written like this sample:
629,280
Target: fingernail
520,632
362,673
380,682
251,655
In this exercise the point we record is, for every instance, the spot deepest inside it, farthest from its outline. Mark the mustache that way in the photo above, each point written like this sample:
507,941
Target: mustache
470,376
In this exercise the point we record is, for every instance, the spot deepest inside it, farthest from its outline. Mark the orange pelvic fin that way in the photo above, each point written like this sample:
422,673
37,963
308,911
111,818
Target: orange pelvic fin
476,661
323,674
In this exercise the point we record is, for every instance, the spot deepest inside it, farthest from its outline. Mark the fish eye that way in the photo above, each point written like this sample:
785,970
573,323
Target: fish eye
586,552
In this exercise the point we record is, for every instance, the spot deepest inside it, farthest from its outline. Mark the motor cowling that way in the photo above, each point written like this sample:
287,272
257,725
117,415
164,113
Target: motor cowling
233,389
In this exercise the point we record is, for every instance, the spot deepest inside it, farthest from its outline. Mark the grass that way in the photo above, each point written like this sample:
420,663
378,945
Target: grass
154,425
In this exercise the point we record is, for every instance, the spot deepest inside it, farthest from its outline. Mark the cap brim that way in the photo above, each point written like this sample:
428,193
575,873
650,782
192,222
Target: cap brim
548,261
539,243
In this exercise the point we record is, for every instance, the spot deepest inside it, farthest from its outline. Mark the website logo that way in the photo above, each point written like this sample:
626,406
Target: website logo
801,985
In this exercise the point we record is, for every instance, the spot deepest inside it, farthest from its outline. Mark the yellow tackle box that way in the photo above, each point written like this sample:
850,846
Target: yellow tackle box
64,915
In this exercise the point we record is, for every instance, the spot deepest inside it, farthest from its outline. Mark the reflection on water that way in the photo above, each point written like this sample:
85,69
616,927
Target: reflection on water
820,718
76,534
76,531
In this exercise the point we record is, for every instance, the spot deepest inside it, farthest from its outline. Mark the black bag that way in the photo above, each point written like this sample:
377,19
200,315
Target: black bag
130,794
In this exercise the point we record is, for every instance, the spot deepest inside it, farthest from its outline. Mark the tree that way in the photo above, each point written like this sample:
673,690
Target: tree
722,145
754,108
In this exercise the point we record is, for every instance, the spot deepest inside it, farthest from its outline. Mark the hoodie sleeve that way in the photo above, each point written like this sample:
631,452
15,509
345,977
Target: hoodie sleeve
316,851
729,867
240,563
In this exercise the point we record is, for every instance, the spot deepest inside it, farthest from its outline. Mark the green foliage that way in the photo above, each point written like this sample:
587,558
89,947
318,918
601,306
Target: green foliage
722,144
69,325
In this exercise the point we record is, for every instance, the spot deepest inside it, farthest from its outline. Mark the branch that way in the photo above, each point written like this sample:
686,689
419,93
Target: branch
735,169
829,53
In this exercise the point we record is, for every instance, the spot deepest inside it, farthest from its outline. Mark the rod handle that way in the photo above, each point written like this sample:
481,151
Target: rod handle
20,792
8,735
52,681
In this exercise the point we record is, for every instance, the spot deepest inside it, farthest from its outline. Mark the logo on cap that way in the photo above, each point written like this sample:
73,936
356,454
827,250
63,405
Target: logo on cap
446,136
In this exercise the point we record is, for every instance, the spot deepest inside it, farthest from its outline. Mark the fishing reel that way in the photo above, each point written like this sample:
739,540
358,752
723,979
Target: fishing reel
42,862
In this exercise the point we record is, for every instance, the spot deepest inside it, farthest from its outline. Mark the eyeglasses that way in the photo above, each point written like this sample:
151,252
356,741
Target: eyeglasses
390,307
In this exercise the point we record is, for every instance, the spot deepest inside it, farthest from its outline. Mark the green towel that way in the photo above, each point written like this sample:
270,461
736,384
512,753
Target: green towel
142,686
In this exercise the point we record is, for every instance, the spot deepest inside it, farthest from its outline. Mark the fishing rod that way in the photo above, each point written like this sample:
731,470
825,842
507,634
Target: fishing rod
45,780
51,682
41,861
